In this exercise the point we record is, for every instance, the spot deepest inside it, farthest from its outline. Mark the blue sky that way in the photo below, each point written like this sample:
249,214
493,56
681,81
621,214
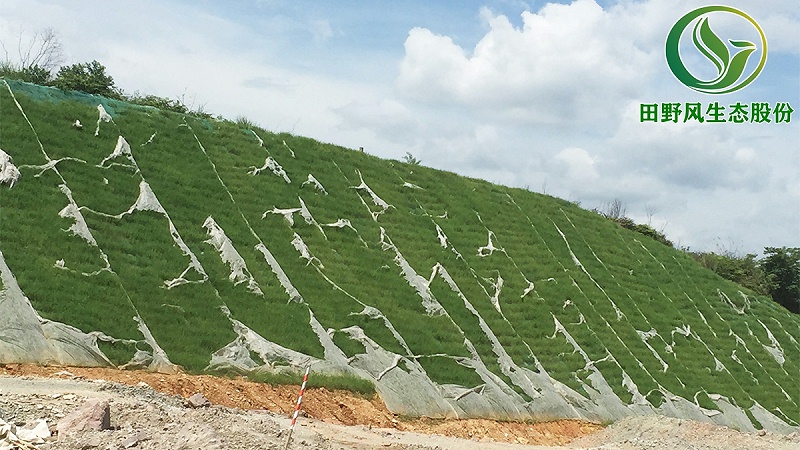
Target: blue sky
529,94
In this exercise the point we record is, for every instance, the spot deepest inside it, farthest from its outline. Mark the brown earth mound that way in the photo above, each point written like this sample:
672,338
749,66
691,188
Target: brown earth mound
336,407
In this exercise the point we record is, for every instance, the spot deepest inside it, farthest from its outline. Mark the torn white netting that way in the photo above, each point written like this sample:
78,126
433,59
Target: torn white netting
420,284
580,265
238,353
314,182
645,336
150,141
50,165
104,116
287,214
305,253
775,349
290,148
273,166
146,201
489,248
528,289
260,141
441,236
8,171
220,241
291,291
160,361
375,199
498,287
636,397
122,149
345,223
25,337
71,211
739,310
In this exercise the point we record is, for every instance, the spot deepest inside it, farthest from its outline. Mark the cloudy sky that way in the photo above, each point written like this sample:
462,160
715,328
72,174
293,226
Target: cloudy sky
542,95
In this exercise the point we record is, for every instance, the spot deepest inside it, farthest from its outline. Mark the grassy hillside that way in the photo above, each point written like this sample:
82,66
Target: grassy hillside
459,269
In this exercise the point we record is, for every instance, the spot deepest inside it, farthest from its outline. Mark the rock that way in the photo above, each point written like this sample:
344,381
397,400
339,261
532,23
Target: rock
197,400
94,414
134,440
35,434
91,442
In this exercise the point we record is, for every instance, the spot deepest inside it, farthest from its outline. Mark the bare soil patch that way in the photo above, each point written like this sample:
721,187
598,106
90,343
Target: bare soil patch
334,407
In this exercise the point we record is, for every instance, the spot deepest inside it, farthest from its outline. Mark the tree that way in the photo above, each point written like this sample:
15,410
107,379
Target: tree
742,270
36,75
37,57
43,50
616,212
410,159
87,77
782,266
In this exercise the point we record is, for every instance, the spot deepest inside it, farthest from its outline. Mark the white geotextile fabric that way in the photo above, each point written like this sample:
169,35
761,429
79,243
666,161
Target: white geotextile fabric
291,291
314,182
230,256
25,337
103,116
273,166
9,174
122,149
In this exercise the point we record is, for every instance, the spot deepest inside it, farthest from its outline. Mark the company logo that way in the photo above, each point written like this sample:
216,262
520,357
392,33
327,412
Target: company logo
729,67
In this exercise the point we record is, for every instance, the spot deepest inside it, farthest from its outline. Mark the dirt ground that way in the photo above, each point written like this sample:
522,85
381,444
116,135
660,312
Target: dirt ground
335,407
149,411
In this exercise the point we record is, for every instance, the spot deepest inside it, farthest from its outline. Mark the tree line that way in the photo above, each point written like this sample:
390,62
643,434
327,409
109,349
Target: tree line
775,274
38,61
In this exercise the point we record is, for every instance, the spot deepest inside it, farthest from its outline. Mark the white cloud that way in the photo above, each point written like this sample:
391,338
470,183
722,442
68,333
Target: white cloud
548,100
565,65
580,166
388,118
564,88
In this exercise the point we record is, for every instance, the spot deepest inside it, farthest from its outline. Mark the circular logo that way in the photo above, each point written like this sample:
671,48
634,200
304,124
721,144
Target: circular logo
730,60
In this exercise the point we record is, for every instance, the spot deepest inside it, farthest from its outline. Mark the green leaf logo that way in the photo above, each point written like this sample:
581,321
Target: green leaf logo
730,68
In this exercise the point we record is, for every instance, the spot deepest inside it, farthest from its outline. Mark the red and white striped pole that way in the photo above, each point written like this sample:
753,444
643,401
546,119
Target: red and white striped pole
297,408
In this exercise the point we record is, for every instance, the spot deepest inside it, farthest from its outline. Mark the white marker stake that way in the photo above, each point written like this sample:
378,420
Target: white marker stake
297,408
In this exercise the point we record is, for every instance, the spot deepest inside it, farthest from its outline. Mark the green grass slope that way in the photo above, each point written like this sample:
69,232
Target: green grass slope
461,274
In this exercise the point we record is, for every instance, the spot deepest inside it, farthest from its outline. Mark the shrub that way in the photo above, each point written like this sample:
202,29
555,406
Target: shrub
36,74
743,270
615,211
411,159
783,268
31,74
160,103
87,77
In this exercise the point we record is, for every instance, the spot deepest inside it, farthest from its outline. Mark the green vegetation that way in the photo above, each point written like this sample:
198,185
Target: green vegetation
783,266
743,270
159,102
666,321
90,78
39,57
615,211
776,274
317,380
